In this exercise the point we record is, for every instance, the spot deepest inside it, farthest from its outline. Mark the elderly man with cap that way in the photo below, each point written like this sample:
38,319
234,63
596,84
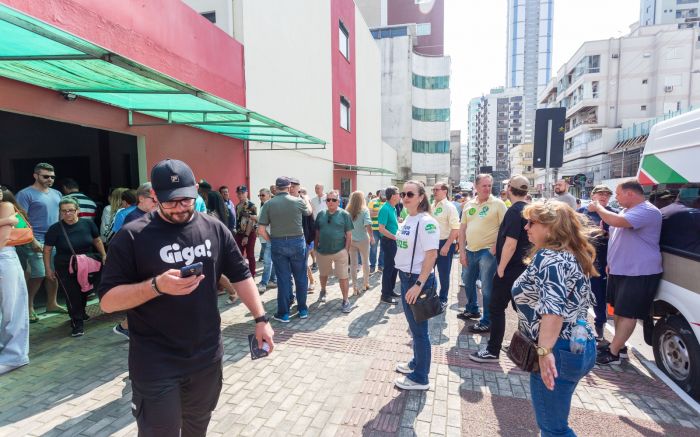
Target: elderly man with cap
512,245
600,194
175,348
284,214
246,223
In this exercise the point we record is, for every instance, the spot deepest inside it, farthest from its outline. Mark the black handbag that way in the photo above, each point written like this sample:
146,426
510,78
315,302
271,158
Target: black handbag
428,304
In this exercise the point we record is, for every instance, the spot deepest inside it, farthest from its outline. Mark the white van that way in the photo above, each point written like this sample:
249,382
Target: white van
671,161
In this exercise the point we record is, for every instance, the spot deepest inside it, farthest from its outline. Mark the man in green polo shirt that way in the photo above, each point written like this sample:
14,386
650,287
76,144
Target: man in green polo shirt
374,206
388,226
333,239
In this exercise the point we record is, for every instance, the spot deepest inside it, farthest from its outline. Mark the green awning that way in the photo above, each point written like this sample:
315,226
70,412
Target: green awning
370,170
37,53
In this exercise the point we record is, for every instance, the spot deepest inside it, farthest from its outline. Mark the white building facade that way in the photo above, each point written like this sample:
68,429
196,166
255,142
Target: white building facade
314,66
612,88
683,13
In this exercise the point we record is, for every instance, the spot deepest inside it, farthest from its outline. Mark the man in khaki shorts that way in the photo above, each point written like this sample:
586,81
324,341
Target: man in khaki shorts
333,238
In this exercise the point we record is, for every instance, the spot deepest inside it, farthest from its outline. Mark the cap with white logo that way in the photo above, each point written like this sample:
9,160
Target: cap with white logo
171,179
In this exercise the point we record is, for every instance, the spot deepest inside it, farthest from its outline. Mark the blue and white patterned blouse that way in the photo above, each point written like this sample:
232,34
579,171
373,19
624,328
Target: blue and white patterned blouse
553,283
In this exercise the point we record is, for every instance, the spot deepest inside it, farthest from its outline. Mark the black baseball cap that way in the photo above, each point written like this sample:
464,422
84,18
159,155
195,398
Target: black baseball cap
241,189
172,178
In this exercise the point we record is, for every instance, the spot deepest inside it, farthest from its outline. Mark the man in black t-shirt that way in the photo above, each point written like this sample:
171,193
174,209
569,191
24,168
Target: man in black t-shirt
175,348
512,245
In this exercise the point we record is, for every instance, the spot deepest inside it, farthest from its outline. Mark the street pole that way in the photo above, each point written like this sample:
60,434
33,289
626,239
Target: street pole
546,168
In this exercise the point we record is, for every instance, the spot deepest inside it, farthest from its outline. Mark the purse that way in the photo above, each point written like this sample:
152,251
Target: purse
93,277
428,303
20,236
523,352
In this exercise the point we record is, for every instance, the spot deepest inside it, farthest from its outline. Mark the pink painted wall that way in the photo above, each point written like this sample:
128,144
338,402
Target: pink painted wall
220,160
407,11
343,80
165,35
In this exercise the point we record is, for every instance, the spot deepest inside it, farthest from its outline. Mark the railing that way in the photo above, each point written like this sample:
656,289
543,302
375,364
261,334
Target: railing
643,128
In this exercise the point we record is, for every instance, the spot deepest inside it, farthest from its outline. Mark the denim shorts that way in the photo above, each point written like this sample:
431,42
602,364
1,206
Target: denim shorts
28,258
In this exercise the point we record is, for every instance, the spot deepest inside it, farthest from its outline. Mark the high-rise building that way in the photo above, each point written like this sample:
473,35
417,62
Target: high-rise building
529,53
455,152
470,148
498,126
415,84
681,12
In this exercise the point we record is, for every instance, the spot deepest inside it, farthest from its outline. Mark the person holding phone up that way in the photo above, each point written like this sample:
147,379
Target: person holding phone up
175,347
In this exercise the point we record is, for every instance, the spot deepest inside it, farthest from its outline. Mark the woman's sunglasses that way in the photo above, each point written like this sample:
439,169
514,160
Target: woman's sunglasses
409,194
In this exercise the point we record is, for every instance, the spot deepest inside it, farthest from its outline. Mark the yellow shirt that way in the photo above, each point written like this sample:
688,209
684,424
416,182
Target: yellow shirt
447,217
483,221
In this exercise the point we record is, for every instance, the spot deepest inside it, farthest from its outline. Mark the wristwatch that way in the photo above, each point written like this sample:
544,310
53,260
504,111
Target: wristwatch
154,286
543,351
264,318
419,283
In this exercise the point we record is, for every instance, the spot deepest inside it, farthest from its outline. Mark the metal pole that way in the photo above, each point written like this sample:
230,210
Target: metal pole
547,191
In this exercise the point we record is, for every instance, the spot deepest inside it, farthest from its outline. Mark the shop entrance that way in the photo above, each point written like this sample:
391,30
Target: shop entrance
98,160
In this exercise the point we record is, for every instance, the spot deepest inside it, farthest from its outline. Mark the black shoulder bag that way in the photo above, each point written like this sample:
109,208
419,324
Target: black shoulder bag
428,303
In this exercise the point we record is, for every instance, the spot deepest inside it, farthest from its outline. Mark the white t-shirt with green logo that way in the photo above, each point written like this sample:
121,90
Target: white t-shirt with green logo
428,238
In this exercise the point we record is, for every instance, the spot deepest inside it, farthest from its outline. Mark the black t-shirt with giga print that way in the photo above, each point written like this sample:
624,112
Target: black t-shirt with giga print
171,336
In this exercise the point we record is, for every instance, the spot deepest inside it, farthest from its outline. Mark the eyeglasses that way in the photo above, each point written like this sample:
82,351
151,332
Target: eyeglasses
262,195
331,199
68,211
170,204
531,222
409,194
47,176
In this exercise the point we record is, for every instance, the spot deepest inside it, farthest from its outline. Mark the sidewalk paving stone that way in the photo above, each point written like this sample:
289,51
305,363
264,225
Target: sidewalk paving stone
330,375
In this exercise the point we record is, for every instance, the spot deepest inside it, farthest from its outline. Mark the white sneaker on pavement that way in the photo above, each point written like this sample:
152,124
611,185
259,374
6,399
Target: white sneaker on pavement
408,384
403,368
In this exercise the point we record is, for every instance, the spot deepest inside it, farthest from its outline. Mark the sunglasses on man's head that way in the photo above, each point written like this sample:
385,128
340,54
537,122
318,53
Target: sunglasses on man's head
409,194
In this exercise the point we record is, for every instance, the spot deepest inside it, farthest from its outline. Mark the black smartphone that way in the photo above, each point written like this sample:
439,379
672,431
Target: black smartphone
255,351
191,270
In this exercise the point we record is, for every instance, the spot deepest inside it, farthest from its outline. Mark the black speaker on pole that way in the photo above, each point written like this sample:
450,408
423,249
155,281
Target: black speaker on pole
542,132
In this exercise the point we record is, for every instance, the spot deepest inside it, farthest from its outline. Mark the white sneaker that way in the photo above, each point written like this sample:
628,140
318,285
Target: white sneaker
403,368
407,384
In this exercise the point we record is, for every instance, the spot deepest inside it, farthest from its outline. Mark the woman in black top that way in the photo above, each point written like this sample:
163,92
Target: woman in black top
84,239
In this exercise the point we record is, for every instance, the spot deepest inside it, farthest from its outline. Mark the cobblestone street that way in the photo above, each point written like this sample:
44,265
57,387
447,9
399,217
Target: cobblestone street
331,374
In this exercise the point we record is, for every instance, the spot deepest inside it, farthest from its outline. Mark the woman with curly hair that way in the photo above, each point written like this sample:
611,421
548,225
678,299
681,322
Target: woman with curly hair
551,295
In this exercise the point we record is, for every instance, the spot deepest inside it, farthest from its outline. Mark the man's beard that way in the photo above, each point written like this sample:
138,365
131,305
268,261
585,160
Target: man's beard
179,217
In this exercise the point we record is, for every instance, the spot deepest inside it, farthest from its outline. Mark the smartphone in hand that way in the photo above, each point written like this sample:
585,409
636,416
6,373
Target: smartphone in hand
191,270
255,351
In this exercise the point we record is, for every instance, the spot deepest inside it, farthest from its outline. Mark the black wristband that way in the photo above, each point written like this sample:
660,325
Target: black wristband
154,286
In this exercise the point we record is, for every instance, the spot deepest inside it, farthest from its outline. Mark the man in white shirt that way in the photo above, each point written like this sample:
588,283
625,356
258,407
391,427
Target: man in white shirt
318,204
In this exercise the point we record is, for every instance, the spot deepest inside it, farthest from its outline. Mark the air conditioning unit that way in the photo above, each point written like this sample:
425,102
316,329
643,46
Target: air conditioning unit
668,88
615,56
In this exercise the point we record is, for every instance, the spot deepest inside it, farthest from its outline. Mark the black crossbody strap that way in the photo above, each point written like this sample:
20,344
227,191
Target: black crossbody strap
65,234
415,243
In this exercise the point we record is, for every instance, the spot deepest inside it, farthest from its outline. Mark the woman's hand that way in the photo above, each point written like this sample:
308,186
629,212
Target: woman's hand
445,249
463,259
412,294
501,271
50,273
36,246
548,370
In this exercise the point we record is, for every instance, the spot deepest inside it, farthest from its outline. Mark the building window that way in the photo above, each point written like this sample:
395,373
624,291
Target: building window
645,81
643,107
431,82
431,146
344,40
344,113
423,29
345,187
211,16
426,114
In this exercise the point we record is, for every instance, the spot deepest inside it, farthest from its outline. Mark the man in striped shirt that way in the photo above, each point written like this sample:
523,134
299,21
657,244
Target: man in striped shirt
87,206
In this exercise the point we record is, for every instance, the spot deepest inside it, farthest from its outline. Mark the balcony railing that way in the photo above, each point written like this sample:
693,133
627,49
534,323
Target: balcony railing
643,128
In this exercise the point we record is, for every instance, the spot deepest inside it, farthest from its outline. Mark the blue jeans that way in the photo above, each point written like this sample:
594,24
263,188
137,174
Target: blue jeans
375,249
268,271
420,364
14,318
552,406
288,259
482,266
444,267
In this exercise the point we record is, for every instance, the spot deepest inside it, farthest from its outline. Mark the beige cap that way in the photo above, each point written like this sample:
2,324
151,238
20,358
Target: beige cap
519,182
601,189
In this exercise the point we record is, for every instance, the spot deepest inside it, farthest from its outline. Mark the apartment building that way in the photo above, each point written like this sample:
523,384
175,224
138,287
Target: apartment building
683,13
455,157
612,88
